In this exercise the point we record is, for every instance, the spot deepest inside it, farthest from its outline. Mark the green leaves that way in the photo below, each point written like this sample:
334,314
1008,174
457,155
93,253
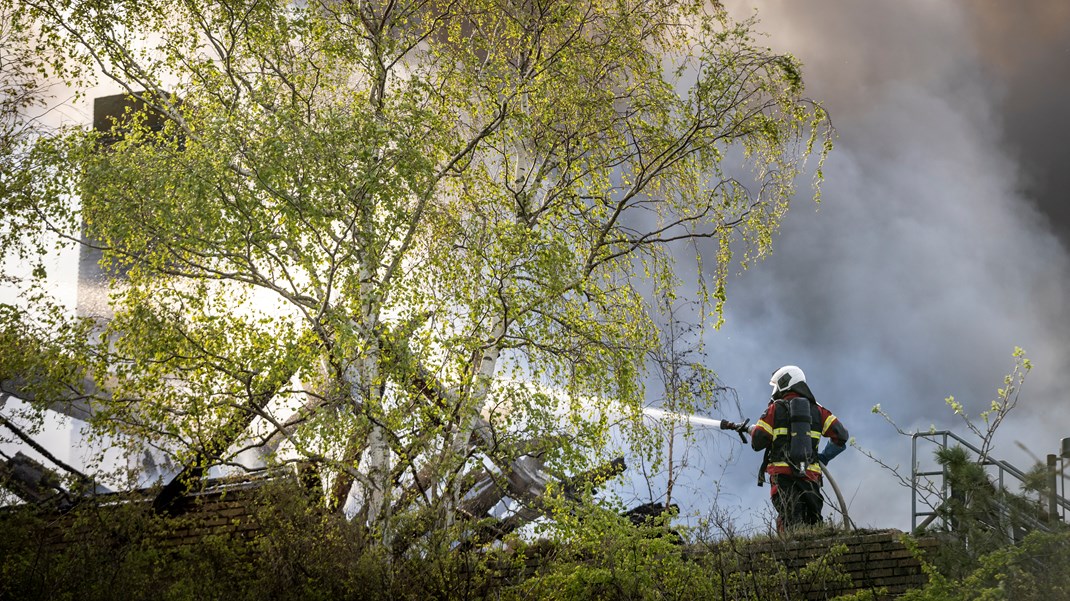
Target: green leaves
358,227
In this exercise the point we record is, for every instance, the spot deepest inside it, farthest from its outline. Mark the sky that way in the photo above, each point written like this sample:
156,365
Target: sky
939,246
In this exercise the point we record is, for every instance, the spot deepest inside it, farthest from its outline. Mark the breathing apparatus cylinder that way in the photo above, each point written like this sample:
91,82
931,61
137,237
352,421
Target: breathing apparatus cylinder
801,451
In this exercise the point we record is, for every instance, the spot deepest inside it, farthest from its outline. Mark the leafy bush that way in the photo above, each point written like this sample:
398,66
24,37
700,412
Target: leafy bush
1038,569
296,549
601,555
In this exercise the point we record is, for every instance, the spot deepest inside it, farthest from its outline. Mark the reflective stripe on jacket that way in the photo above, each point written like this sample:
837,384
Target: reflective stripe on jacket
772,432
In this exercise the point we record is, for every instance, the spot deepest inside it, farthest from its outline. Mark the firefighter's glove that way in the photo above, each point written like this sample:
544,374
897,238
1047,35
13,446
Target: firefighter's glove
831,450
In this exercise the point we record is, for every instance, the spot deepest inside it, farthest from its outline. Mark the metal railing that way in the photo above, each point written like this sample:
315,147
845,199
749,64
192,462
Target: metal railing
1004,471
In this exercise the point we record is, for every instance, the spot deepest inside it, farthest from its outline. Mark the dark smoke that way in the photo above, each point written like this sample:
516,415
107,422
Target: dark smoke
1027,49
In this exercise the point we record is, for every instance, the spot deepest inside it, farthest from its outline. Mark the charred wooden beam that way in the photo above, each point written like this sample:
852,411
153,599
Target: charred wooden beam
85,483
594,477
76,402
172,497
522,478
32,482
482,497
537,507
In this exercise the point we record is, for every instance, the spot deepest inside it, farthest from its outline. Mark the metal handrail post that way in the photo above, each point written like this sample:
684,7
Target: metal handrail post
1053,505
914,482
943,490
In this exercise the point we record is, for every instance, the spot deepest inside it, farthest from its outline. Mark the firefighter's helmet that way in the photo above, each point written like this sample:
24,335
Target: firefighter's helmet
785,378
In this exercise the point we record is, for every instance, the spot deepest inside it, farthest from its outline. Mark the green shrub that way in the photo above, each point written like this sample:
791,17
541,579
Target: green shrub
295,549
1038,569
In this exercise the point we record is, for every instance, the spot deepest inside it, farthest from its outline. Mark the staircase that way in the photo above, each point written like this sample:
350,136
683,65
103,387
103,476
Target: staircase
932,488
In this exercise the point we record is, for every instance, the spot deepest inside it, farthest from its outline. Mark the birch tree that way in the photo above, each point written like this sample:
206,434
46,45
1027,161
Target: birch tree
412,243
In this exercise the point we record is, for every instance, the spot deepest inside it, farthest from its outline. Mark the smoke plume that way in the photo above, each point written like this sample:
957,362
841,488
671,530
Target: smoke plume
939,246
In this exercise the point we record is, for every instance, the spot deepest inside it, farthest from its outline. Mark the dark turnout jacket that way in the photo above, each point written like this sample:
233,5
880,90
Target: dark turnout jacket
773,432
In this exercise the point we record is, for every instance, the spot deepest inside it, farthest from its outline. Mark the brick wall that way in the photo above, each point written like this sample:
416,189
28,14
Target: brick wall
221,510
819,567
216,512
877,561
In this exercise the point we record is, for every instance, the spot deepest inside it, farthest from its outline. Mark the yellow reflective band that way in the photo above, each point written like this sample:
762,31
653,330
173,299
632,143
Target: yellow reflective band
828,422
784,432
813,467
764,426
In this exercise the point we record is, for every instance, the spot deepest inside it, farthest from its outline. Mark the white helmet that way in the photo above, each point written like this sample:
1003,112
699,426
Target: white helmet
784,378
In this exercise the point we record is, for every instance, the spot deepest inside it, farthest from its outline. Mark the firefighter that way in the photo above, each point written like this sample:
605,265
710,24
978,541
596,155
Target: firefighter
789,432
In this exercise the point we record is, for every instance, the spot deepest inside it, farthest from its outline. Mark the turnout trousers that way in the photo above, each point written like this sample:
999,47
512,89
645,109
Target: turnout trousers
797,501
